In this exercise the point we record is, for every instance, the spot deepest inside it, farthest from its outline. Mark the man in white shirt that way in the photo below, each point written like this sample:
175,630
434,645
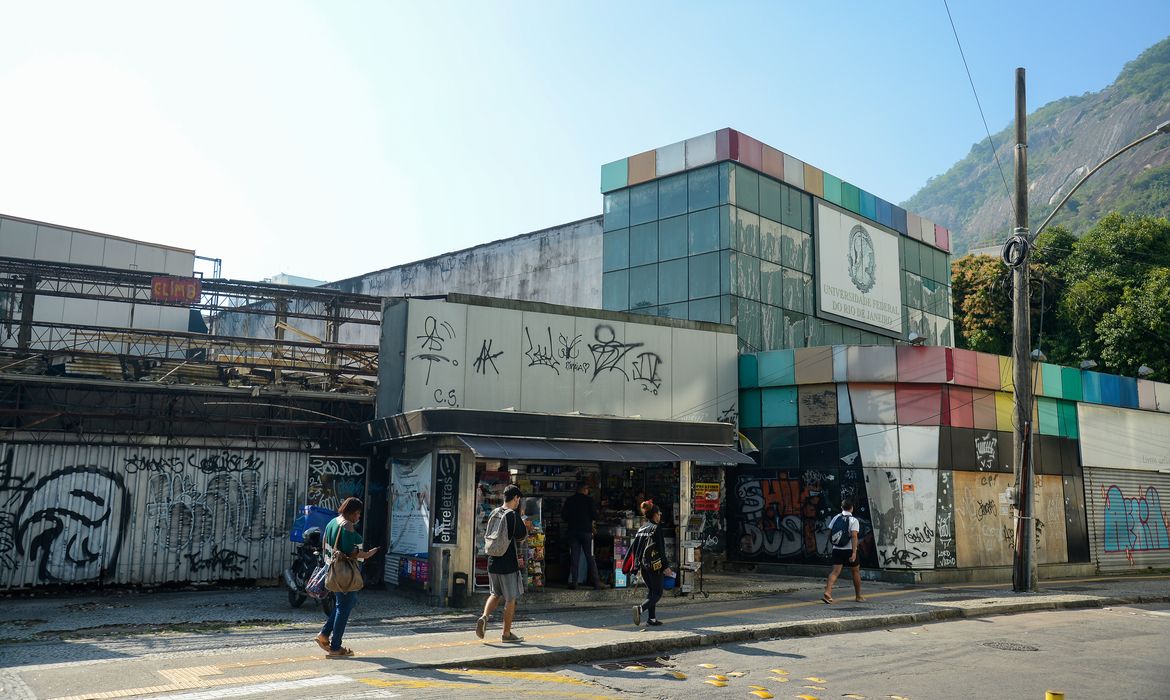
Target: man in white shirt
845,551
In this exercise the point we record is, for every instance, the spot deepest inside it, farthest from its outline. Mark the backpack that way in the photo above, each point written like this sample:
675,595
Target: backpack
629,564
497,538
839,530
650,558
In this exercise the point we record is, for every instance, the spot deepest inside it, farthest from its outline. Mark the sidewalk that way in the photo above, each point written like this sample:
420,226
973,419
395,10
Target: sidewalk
397,633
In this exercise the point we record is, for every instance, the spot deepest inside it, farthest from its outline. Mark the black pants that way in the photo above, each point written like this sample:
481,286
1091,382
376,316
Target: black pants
582,542
653,581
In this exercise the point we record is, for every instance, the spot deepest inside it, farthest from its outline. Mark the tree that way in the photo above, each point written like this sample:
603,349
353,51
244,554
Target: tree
1137,331
982,308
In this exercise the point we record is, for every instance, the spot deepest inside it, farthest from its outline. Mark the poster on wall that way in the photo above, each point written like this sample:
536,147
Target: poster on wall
446,530
706,496
859,272
410,503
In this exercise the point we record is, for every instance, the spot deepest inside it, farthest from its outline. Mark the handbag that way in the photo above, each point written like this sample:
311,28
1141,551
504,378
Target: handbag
343,575
315,587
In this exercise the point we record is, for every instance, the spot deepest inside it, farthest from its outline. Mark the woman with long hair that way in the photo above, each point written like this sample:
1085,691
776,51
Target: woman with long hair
652,562
341,531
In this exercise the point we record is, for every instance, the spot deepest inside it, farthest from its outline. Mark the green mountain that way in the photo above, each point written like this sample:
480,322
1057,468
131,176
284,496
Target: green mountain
1066,138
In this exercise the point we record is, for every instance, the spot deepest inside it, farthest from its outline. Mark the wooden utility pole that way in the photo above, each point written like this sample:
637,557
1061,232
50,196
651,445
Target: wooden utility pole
1024,566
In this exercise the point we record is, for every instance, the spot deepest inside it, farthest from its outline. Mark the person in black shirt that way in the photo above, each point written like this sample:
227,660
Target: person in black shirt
650,535
579,513
505,579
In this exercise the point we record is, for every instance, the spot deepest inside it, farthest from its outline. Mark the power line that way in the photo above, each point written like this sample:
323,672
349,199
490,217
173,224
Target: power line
990,140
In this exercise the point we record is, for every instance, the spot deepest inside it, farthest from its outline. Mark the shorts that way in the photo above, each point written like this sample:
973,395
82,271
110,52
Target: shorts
507,586
841,556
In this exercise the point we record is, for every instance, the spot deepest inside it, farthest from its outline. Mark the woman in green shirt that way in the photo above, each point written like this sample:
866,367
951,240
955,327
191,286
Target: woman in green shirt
341,530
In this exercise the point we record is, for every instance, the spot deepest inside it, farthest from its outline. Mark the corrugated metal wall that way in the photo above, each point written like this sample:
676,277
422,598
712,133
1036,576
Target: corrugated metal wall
119,514
1128,520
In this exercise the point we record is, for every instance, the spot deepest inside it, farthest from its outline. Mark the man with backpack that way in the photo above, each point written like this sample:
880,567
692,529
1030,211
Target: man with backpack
843,530
505,528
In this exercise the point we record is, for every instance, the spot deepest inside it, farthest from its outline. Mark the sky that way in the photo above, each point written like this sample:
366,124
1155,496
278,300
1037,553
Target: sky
328,139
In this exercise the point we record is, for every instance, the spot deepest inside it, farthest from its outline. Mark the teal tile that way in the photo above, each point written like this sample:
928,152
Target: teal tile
833,188
614,176
748,372
1070,384
851,197
776,368
868,205
749,409
1051,383
778,407
1068,420
1091,386
1048,411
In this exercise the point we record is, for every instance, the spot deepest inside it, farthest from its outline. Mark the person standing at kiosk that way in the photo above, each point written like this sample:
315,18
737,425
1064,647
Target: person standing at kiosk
579,514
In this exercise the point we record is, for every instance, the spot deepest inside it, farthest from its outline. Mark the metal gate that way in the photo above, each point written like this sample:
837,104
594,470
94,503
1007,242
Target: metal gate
1128,520
146,514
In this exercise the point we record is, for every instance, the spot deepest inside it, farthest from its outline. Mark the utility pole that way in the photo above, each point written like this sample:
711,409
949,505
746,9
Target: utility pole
1016,254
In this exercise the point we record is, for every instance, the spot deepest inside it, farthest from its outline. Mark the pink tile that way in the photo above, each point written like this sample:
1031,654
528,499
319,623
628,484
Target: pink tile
942,238
988,371
966,367
918,404
751,152
961,407
922,365
773,162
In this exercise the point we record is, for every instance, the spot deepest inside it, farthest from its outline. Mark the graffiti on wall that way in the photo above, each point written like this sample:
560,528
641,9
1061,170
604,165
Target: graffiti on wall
783,517
334,479
944,547
202,515
1134,524
68,525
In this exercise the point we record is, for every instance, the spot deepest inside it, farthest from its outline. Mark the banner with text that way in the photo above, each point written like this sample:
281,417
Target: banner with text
859,275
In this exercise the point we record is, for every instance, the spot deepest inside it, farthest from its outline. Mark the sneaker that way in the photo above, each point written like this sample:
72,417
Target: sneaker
480,627
654,623
637,615
509,637
323,642
338,653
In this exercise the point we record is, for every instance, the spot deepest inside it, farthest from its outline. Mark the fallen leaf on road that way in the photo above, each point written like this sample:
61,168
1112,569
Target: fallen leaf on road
778,679
678,675
815,687
814,679
853,696
736,674
757,687
808,697
717,677
706,665
717,684
779,672
762,694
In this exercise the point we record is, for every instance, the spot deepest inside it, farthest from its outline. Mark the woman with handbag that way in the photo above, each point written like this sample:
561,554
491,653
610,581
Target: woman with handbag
343,551
652,561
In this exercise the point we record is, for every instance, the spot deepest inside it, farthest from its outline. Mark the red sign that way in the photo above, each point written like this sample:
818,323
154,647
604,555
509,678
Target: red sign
184,290
706,496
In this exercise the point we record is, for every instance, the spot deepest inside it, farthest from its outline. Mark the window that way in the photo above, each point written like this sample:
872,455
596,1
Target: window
705,310
617,210
615,290
672,282
643,203
771,241
747,232
702,188
704,275
771,201
643,286
672,238
644,244
615,250
747,190
704,230
672,195
771,283
679,310
747,276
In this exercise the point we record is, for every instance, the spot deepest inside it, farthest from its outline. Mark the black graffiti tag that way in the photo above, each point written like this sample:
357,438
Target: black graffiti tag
608,352
224,560
435,335
487,357
541,355
645,368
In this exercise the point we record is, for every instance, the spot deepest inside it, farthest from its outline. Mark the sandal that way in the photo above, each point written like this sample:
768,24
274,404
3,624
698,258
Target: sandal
509,637
338,653
323,642
826,599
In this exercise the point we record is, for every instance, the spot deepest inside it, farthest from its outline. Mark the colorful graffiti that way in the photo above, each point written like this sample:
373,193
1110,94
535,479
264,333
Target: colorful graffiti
1135,524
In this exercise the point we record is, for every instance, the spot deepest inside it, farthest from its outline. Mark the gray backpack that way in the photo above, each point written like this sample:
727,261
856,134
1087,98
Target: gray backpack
497,538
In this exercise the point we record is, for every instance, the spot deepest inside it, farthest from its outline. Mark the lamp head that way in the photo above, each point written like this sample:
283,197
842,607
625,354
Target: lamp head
1146,371
1039,356
1088,364
916,339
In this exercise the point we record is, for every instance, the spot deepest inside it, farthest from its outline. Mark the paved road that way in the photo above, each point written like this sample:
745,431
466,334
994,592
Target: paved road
402,655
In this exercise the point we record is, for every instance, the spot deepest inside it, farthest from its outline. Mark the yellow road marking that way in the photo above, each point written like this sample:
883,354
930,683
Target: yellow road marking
185,679
422,684
542,677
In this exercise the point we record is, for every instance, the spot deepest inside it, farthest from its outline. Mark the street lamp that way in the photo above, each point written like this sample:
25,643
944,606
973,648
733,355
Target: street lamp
1015,253
1088,364
1145,371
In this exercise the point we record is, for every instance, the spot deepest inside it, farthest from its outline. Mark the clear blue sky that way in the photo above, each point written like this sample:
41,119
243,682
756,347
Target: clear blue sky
329,139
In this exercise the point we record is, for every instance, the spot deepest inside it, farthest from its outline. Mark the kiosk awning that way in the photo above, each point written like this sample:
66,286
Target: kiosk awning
566,450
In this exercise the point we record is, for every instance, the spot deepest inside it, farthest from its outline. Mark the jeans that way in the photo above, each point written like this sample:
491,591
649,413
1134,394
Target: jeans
653,581
342,606
582,542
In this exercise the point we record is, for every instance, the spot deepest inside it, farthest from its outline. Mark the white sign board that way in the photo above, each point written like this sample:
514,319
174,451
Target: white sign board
859,275
482,357
410,506
1123,438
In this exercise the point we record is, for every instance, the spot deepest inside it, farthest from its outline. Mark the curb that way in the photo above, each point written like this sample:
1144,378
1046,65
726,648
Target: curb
782,630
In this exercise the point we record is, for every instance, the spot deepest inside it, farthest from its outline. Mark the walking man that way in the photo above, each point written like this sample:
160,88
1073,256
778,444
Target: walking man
843,529
579,513
505,579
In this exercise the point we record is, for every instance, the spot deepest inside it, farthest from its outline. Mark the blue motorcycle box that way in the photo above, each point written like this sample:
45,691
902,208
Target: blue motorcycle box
312,516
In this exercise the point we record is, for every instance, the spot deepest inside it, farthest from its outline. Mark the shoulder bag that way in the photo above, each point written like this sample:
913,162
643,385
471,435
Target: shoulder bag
344,575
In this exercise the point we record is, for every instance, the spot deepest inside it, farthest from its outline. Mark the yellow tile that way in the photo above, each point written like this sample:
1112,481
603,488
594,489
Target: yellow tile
641,167
814,180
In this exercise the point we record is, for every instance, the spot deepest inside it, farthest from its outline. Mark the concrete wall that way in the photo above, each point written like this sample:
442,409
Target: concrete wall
558,265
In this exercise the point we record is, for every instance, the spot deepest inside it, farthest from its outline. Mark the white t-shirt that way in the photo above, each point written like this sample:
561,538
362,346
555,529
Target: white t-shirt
854,526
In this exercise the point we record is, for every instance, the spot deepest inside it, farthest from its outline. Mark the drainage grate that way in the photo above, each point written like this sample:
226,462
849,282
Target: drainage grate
658,662
1010,646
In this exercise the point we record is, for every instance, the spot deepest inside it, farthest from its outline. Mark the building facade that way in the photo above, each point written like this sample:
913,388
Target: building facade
723,228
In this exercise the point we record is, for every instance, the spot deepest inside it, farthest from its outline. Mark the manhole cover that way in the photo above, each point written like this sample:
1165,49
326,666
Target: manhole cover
657,662
1010,646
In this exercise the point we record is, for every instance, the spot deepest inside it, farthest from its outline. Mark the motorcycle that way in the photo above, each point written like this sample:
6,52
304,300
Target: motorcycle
307,557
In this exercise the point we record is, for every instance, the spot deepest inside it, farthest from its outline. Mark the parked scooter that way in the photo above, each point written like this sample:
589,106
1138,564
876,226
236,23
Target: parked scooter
308,556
